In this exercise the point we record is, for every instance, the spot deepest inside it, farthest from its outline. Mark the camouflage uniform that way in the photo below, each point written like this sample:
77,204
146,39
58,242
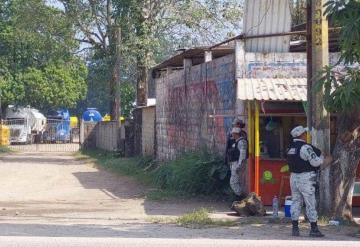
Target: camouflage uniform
302,188
303,185
237,179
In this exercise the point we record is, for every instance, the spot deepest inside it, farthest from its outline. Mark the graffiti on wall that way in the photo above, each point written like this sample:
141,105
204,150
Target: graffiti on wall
185,118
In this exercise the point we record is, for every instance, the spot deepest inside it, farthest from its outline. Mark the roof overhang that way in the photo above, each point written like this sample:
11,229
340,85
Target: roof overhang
272,89
196,55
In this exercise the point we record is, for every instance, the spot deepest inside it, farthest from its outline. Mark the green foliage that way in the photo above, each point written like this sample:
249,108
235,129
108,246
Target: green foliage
298,9
193,173
345,14
342,88
127,97
98,90
150,32
38,66
57,85
341,83
4,149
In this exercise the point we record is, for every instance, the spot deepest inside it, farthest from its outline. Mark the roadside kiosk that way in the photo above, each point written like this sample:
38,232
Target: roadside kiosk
273,107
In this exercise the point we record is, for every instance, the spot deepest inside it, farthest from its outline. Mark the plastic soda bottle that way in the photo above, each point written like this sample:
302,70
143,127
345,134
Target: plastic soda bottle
275,206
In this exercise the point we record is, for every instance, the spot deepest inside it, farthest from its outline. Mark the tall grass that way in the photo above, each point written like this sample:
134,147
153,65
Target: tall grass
193,173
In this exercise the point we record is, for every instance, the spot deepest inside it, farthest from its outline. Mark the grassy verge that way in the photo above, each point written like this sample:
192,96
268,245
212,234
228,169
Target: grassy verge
193,174
197,219
4,149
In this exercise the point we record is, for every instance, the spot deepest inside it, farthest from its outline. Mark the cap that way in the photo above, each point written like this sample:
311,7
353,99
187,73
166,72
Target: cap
236,130
298,131
238,122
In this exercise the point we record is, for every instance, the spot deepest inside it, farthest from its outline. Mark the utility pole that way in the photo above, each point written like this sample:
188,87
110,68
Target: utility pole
319,117
309,65
115,110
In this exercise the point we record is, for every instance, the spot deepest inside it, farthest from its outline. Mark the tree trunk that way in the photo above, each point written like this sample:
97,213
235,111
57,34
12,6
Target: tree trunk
346,159
115,75
143,58
141,96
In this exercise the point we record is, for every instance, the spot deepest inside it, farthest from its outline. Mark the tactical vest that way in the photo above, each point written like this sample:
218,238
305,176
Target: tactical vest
295,162
234,152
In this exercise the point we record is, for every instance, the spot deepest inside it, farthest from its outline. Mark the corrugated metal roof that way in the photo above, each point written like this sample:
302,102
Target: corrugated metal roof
267,17
196,54
278,89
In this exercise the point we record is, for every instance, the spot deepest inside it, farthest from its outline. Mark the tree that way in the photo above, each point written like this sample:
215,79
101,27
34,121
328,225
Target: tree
38,65
341,84
298,9
150,31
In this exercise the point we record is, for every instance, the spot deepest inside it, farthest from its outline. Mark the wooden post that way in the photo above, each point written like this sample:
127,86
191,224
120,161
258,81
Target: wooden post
320,131
257,149
208,56
187,76
309,68
239,59
250,125
240,64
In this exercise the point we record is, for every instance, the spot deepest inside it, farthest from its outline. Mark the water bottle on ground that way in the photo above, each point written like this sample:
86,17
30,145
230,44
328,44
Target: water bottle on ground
275,206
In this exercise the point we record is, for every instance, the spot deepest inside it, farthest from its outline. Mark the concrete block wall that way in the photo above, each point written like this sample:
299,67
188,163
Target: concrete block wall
137,113
195,107
148,131
107,136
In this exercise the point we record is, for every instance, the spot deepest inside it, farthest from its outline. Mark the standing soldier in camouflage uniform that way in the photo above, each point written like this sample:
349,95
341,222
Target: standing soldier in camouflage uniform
237,123
304,161
237,155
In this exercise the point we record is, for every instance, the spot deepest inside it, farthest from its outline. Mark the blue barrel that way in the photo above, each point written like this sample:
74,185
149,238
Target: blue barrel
91,115
287,207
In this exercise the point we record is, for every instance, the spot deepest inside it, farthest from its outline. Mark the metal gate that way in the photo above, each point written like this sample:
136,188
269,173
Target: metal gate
56,136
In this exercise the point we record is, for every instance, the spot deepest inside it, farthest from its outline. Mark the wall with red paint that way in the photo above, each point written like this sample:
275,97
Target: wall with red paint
186,103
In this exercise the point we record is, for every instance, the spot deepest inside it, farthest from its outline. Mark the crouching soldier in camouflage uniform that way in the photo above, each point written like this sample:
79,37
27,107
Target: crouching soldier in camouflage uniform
304,161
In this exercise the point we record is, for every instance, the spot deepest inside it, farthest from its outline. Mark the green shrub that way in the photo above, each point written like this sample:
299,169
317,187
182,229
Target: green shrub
193,173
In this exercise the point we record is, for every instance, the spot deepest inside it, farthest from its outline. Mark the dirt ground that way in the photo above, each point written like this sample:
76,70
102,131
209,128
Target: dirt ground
60,195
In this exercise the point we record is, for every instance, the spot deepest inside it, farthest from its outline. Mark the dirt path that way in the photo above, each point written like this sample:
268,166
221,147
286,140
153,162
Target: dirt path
56,185
54,194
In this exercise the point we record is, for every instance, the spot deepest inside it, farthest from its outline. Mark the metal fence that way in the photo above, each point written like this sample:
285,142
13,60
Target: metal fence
54,135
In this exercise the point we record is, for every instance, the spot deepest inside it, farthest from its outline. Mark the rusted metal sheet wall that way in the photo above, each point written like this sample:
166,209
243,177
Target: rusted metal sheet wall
267,17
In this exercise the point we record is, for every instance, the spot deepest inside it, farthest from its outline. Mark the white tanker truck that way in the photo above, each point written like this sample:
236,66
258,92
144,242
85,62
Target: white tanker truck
24,124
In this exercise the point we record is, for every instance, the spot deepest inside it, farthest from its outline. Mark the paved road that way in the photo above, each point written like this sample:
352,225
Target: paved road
118,242
53,199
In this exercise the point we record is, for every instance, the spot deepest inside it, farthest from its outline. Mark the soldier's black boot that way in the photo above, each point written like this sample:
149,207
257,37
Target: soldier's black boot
315,232
295,228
